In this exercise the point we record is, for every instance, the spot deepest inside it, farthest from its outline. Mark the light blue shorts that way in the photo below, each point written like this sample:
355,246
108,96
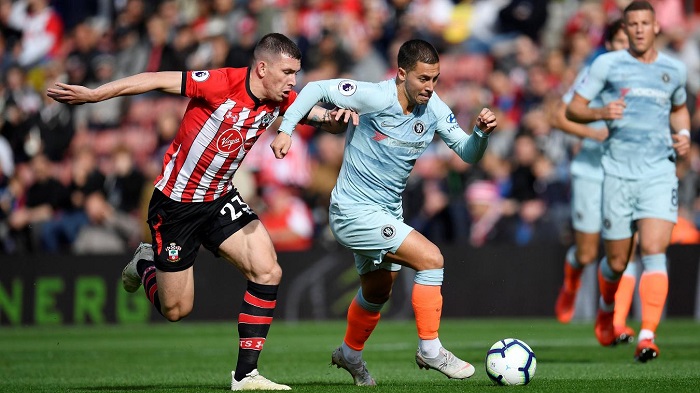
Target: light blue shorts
586,207
370,234
627,200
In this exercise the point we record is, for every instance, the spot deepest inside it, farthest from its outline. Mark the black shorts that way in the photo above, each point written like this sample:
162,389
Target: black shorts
178,229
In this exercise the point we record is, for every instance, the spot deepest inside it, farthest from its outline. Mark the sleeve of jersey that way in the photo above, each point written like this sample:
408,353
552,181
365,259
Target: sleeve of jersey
469,148
361,97
210,86
592,83
680,96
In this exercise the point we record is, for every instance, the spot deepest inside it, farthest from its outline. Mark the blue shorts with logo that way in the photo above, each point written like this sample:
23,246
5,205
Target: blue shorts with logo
627,200
370,234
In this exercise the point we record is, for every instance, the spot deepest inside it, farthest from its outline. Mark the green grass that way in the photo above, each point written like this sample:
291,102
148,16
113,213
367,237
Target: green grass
198,357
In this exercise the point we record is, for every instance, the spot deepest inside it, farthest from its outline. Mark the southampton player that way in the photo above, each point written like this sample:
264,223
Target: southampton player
644,93
195,203
398,119
586,202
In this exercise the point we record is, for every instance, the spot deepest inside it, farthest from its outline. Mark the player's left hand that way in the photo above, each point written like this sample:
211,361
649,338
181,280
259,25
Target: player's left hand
281,144
486,121
70,94
342,115
681,144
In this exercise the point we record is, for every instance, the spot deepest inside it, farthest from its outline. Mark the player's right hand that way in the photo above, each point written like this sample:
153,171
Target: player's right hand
486,121
281,144
70,94
614,109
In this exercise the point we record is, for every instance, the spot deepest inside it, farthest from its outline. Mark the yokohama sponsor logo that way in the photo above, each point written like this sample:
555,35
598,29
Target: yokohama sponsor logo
254,343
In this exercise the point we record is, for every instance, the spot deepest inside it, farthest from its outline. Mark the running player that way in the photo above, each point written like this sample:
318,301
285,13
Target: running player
586,191
644,93
195,203
398,119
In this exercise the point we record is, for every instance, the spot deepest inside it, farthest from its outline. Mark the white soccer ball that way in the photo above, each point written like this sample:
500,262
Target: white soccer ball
510,362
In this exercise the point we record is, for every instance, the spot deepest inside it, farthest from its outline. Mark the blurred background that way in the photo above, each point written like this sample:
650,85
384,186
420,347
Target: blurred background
75,180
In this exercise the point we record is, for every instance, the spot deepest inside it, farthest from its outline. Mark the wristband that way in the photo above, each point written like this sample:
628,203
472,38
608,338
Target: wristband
684,132
476,130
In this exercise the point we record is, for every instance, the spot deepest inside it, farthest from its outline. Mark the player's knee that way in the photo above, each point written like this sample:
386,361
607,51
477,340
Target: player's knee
268,276
176,313
586,256
653,249
617,264
434,260
377,295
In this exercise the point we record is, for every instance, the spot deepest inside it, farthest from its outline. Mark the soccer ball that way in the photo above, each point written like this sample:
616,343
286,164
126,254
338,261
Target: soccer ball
510,362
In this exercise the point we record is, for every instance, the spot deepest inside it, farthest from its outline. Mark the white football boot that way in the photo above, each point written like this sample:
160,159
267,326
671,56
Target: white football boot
447,363
358,371
131,281
254,381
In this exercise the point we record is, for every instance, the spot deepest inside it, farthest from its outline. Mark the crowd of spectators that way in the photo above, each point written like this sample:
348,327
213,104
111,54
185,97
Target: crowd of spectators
76,179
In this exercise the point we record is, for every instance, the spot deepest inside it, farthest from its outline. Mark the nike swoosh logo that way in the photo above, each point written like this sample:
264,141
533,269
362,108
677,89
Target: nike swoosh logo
385,124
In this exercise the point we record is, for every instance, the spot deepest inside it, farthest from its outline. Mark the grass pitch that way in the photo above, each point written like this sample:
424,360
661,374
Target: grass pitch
198,357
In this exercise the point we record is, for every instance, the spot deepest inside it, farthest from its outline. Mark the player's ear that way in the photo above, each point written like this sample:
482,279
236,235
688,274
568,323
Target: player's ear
401,74
657,28
260,68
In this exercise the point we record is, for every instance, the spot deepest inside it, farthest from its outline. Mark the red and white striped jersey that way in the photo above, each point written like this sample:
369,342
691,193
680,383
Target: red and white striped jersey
220,125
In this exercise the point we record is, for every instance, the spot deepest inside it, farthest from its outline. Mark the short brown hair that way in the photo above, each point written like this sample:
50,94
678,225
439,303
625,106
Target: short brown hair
414,51
276,44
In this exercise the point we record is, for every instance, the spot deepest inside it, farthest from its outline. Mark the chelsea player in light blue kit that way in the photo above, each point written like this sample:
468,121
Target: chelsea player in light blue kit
644,92
398,119
586,203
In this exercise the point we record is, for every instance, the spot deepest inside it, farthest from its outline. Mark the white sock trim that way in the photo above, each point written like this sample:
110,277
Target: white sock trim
430,348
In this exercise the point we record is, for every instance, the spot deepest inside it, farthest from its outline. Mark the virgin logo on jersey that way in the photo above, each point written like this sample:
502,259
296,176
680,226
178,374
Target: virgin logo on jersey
229,141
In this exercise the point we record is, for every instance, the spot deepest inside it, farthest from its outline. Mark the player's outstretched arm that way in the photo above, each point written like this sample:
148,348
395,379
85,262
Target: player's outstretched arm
168,81
334,121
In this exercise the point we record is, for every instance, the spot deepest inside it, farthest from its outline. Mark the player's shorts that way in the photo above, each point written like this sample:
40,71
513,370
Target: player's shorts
179,229
586,196
370,234
627,200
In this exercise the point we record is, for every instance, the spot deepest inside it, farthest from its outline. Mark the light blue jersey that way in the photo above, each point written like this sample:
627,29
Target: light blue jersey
640,143
587,164
382,150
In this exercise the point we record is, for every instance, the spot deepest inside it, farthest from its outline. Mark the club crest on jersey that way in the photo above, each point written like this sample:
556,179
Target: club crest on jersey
665,77
266,120
388,231
419,127
229,141
347,88
451,118
200,76
173,252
